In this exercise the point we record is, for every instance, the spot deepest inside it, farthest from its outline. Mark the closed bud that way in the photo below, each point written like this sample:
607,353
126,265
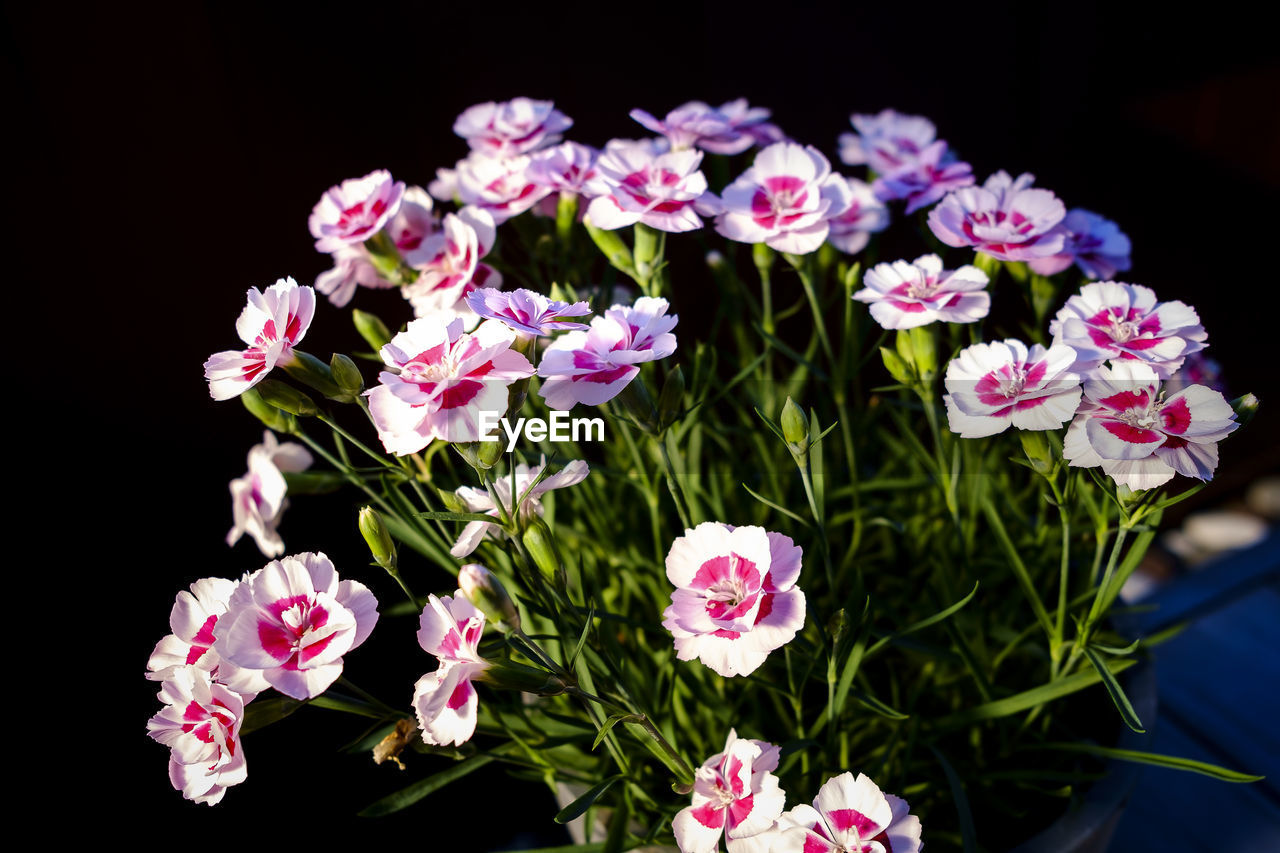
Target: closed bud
613,248
763,257
795,427
286,397
671,400
376,536
638,403
451,501
646,250
515,676
1035,443
346,374
541,546
837,625
315,374
470,451
271,417
897,368
1246,407
566,213
371,328
924,353
489,453
483,589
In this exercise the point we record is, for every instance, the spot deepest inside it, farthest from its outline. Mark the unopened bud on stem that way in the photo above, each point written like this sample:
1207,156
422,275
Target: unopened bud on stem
795,428
376,536
483,589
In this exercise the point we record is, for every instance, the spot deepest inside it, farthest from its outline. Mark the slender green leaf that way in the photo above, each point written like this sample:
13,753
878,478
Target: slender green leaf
1118,650
877,706
337,702
1019,568
580,805
961,799
852,662
1171,761
586,629
609,724
264,712
925,623
1028,699
773,505
408,796
1122,703
460,516
617,838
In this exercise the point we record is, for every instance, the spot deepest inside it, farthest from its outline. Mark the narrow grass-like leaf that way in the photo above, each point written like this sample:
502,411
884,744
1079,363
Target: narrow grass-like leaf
1028,699
925,623
775,506
264,712
460,516
1019,568
580,805
877,706
1122,703
336,702
961,799
1171,761
852,662
609,724
408,796
586,629
1121,651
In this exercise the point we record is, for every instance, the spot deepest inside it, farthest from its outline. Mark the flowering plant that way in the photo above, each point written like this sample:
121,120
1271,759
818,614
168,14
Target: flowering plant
787,515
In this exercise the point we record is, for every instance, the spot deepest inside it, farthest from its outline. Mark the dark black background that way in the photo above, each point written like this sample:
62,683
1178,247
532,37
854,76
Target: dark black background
169,158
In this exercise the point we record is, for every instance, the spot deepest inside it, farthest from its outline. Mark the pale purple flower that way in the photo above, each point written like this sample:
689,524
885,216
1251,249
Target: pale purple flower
924,179
258,498
849,816
448,264
193,620
991,387
1197,369
593,367
731,129
513,127
528,313
747,119
1141,437
866,215
355,210
735,599
443,379
272,324
564,168
200,723
1118,321
500,186
1094,243
735,794
634,184
886,141
445,701
482,500
905,295
1004,218
784,200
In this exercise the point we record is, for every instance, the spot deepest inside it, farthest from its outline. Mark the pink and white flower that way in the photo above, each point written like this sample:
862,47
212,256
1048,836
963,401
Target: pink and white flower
355,210
441,378
566,168
1094,243
200,724
448,264
866,215
991,387
528,313
905,295
925,179
735,794
482,500
1004,218
352,268
512,127
294,619
500,186
850,816
193,620
445,700
1118,321
1140,437
784,200
886,141
635,183
272,324
258,498
735,599
731,129
593,367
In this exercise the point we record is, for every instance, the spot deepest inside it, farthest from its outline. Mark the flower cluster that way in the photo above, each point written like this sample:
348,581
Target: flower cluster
909,162
445,700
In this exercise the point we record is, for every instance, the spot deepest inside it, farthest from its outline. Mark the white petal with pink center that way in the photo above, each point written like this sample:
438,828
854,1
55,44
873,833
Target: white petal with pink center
729,129
736,795
1124,322
355,210
735,599
991,387
1005,218
501,187
448,264
850,816
635,183
906,295
885,141
564,168
272,323
193,620
200,724
593,367
1140,437
481,500
445,378
445,701
526,312
512,127
866,215
784,200
294,619
258,498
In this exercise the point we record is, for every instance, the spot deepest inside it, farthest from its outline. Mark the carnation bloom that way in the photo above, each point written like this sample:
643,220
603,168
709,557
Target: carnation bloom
445,701
925,179
272,324
502,187
993,386
1004,218
735,794
193,620
481,500
593,367
735,598
1198,369
258,498
731,129
1139,436
512,127
905,295
448,263
355,210
849,816
528,313
865,215
1094,243
1118,321
352,268
784,200
564,168
294,620
200,724
443,379
885,141
636,183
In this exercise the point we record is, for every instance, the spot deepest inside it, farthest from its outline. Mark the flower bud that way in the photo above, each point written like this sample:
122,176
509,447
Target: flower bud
377,538
483,589
763,257
924,353
346,374
671,399
490,452
1246,407
541,546
286,397
271,417
795,427
451,501
566,213
897,368
315,374
373,330
614,249
1035,443
638,403
515,676
471,452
